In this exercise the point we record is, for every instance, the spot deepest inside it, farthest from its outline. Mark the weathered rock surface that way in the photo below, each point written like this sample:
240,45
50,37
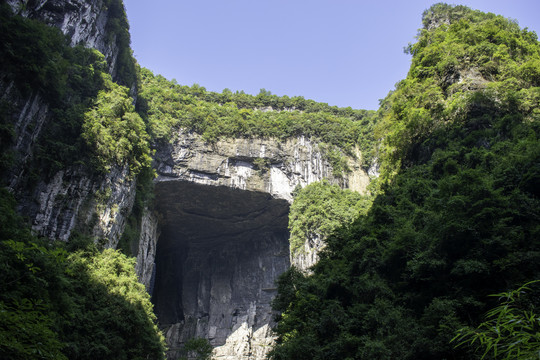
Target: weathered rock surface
146,253
57,205
308,255
72,199
84,21
266,165
218,256
28,116
223,216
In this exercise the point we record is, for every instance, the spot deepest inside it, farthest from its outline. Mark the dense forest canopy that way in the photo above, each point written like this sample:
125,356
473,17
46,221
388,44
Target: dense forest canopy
57,300
453,218
170,106
457,216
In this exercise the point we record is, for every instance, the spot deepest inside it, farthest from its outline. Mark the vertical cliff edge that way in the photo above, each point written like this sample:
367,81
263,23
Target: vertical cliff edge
216,237
223,238
62,199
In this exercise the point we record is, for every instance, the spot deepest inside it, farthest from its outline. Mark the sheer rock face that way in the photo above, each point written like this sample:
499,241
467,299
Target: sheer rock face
223,217
218,256
57,205
72,199
309,255
267,165
146,253
83,21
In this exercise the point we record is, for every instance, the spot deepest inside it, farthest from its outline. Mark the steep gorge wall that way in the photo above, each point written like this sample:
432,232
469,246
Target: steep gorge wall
221,218
67,200
217,239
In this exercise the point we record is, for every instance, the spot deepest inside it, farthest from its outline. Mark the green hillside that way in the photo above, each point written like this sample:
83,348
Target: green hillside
453,217
457,215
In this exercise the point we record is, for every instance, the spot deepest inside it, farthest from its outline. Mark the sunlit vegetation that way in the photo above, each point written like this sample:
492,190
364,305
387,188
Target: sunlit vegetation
113,130
472,71
78,90
77,304
456,218
319,209
224,115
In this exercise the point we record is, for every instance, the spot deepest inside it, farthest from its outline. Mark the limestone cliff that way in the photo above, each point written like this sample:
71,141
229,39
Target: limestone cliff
67,200
221,217
265,165
214,241
268,165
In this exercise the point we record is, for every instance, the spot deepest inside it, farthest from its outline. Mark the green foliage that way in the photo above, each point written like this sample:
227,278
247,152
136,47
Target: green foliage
261,164
61,144
22,323
109,292
336,158
27,326
197,349
117,28
456,217
32,53
511,330
463,63
115,132
55,305
93,120
37,58
319,209
213,115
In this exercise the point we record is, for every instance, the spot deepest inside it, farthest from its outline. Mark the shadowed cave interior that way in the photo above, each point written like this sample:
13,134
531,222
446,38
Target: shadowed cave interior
218,256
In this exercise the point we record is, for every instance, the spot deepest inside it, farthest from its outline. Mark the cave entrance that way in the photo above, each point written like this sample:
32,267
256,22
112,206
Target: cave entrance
217,259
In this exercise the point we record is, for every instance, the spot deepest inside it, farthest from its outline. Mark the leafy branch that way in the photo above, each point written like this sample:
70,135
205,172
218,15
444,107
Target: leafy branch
509,332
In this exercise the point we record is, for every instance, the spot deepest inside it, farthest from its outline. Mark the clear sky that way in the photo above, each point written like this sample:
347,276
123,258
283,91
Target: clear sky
341,52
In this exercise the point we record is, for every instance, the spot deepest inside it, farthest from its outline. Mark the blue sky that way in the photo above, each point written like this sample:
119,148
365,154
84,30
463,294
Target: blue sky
341,52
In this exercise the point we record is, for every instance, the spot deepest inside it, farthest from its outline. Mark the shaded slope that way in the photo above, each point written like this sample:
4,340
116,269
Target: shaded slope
457,218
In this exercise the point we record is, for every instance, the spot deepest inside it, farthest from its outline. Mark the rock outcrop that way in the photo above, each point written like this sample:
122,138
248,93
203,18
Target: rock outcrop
223,216
84,22
72,198
67,200
146,252
268,165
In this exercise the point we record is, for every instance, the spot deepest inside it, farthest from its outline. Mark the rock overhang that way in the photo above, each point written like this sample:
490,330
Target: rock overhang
192,213
222,211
